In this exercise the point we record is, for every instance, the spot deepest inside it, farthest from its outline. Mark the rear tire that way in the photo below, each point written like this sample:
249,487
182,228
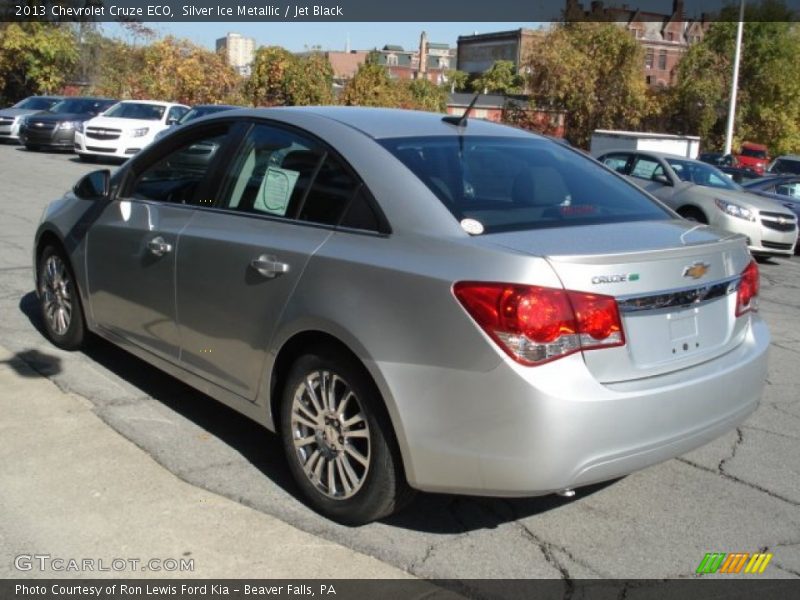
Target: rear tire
59,300
693,214
338,440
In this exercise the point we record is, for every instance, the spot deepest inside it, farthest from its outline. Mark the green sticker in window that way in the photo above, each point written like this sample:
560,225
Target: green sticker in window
276,190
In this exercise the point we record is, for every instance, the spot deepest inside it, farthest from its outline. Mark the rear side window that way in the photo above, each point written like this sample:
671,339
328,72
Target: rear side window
510,184
286,174
617,162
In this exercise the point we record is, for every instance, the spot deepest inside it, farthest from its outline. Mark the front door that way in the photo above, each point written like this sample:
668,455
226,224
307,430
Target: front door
132,247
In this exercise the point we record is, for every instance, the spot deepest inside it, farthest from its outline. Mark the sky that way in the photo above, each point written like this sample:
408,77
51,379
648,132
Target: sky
298,36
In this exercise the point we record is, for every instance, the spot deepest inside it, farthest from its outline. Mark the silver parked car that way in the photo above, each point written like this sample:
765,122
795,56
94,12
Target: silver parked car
412,301
702,193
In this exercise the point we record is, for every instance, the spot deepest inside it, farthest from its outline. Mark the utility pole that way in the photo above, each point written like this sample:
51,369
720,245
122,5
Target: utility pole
734,81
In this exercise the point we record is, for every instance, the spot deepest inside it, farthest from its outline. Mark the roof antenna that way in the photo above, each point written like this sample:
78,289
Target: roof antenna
462,120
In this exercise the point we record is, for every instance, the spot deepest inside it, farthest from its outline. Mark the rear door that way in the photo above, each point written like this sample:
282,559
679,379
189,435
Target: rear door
240,261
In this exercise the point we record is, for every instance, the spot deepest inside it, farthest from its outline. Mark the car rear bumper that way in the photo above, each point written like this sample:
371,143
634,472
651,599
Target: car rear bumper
521,431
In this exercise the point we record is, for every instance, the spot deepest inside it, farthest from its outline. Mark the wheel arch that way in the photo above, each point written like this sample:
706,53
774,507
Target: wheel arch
306,340
691,207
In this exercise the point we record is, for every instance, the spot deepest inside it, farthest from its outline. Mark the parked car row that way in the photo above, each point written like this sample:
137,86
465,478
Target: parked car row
95,127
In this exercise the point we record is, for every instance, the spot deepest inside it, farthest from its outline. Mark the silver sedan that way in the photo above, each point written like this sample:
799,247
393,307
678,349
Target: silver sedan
411,301
702,193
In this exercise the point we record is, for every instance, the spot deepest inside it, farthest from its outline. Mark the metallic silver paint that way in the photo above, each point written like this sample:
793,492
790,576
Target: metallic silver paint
468,419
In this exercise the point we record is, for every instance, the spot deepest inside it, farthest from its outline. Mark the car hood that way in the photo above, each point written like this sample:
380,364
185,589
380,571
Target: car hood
124,124
17,112
48,117
608,239
744,198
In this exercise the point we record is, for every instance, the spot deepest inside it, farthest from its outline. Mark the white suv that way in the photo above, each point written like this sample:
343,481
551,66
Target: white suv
125,128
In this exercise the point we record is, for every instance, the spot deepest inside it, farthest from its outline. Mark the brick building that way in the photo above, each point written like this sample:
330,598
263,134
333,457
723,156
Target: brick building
493,107
436,60
664,36
478,52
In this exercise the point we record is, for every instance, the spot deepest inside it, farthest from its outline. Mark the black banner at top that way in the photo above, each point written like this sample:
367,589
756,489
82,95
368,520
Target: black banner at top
407,10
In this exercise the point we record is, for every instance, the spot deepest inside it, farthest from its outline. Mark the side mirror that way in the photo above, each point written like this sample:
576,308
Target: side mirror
662,179
94,185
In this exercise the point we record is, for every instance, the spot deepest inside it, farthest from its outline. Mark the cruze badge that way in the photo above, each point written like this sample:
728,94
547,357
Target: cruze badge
615,278
696,271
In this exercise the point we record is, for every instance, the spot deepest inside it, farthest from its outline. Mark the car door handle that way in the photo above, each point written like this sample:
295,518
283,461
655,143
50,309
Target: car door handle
269,266
158,246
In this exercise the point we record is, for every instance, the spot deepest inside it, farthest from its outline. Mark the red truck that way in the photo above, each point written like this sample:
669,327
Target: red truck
753,156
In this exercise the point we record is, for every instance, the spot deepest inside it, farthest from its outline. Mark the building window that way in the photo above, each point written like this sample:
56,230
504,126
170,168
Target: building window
670,36
391,60
662,60
648,59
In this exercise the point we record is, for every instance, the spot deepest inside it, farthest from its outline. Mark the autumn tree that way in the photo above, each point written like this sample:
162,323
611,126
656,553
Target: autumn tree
427,95
594,72
501,78
35,58
308,80
372,86
768,104
456,80
267,83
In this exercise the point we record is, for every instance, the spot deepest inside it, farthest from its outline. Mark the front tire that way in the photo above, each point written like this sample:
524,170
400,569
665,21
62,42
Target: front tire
338,440
59,300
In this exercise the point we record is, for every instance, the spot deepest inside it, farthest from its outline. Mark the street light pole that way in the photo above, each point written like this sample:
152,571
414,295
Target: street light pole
734,80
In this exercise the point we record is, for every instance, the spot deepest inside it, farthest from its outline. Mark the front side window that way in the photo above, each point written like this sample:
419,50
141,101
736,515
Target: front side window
136,110
789,188
176,177
510,184
701,174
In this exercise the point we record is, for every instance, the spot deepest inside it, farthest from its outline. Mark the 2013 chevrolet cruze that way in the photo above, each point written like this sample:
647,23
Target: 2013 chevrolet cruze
412,301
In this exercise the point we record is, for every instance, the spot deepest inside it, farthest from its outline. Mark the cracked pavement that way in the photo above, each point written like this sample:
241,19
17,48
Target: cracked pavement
739,493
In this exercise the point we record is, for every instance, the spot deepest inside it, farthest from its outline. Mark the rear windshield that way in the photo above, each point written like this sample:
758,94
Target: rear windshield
753,153
132,110
510,184
785,165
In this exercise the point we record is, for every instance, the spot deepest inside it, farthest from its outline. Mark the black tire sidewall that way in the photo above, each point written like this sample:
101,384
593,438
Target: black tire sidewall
385,480
76,332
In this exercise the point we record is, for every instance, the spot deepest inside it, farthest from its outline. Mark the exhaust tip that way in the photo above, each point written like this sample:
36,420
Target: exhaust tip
566,493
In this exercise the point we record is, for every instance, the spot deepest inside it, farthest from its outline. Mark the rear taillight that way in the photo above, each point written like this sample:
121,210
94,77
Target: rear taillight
747,294
534,325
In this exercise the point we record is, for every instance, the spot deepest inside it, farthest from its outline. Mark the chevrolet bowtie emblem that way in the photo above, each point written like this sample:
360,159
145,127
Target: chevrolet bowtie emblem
696,271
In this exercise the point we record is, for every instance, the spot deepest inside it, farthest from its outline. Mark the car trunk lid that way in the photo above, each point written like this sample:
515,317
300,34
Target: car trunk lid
675,283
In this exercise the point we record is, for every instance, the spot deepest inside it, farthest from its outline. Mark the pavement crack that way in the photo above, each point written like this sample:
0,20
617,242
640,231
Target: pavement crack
734,449
546,548
762,430
738,480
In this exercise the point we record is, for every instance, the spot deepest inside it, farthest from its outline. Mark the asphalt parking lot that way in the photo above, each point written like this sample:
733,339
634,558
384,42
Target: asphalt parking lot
739,494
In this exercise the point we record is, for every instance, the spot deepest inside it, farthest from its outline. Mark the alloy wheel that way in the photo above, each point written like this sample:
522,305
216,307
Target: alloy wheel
330,434
56,293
